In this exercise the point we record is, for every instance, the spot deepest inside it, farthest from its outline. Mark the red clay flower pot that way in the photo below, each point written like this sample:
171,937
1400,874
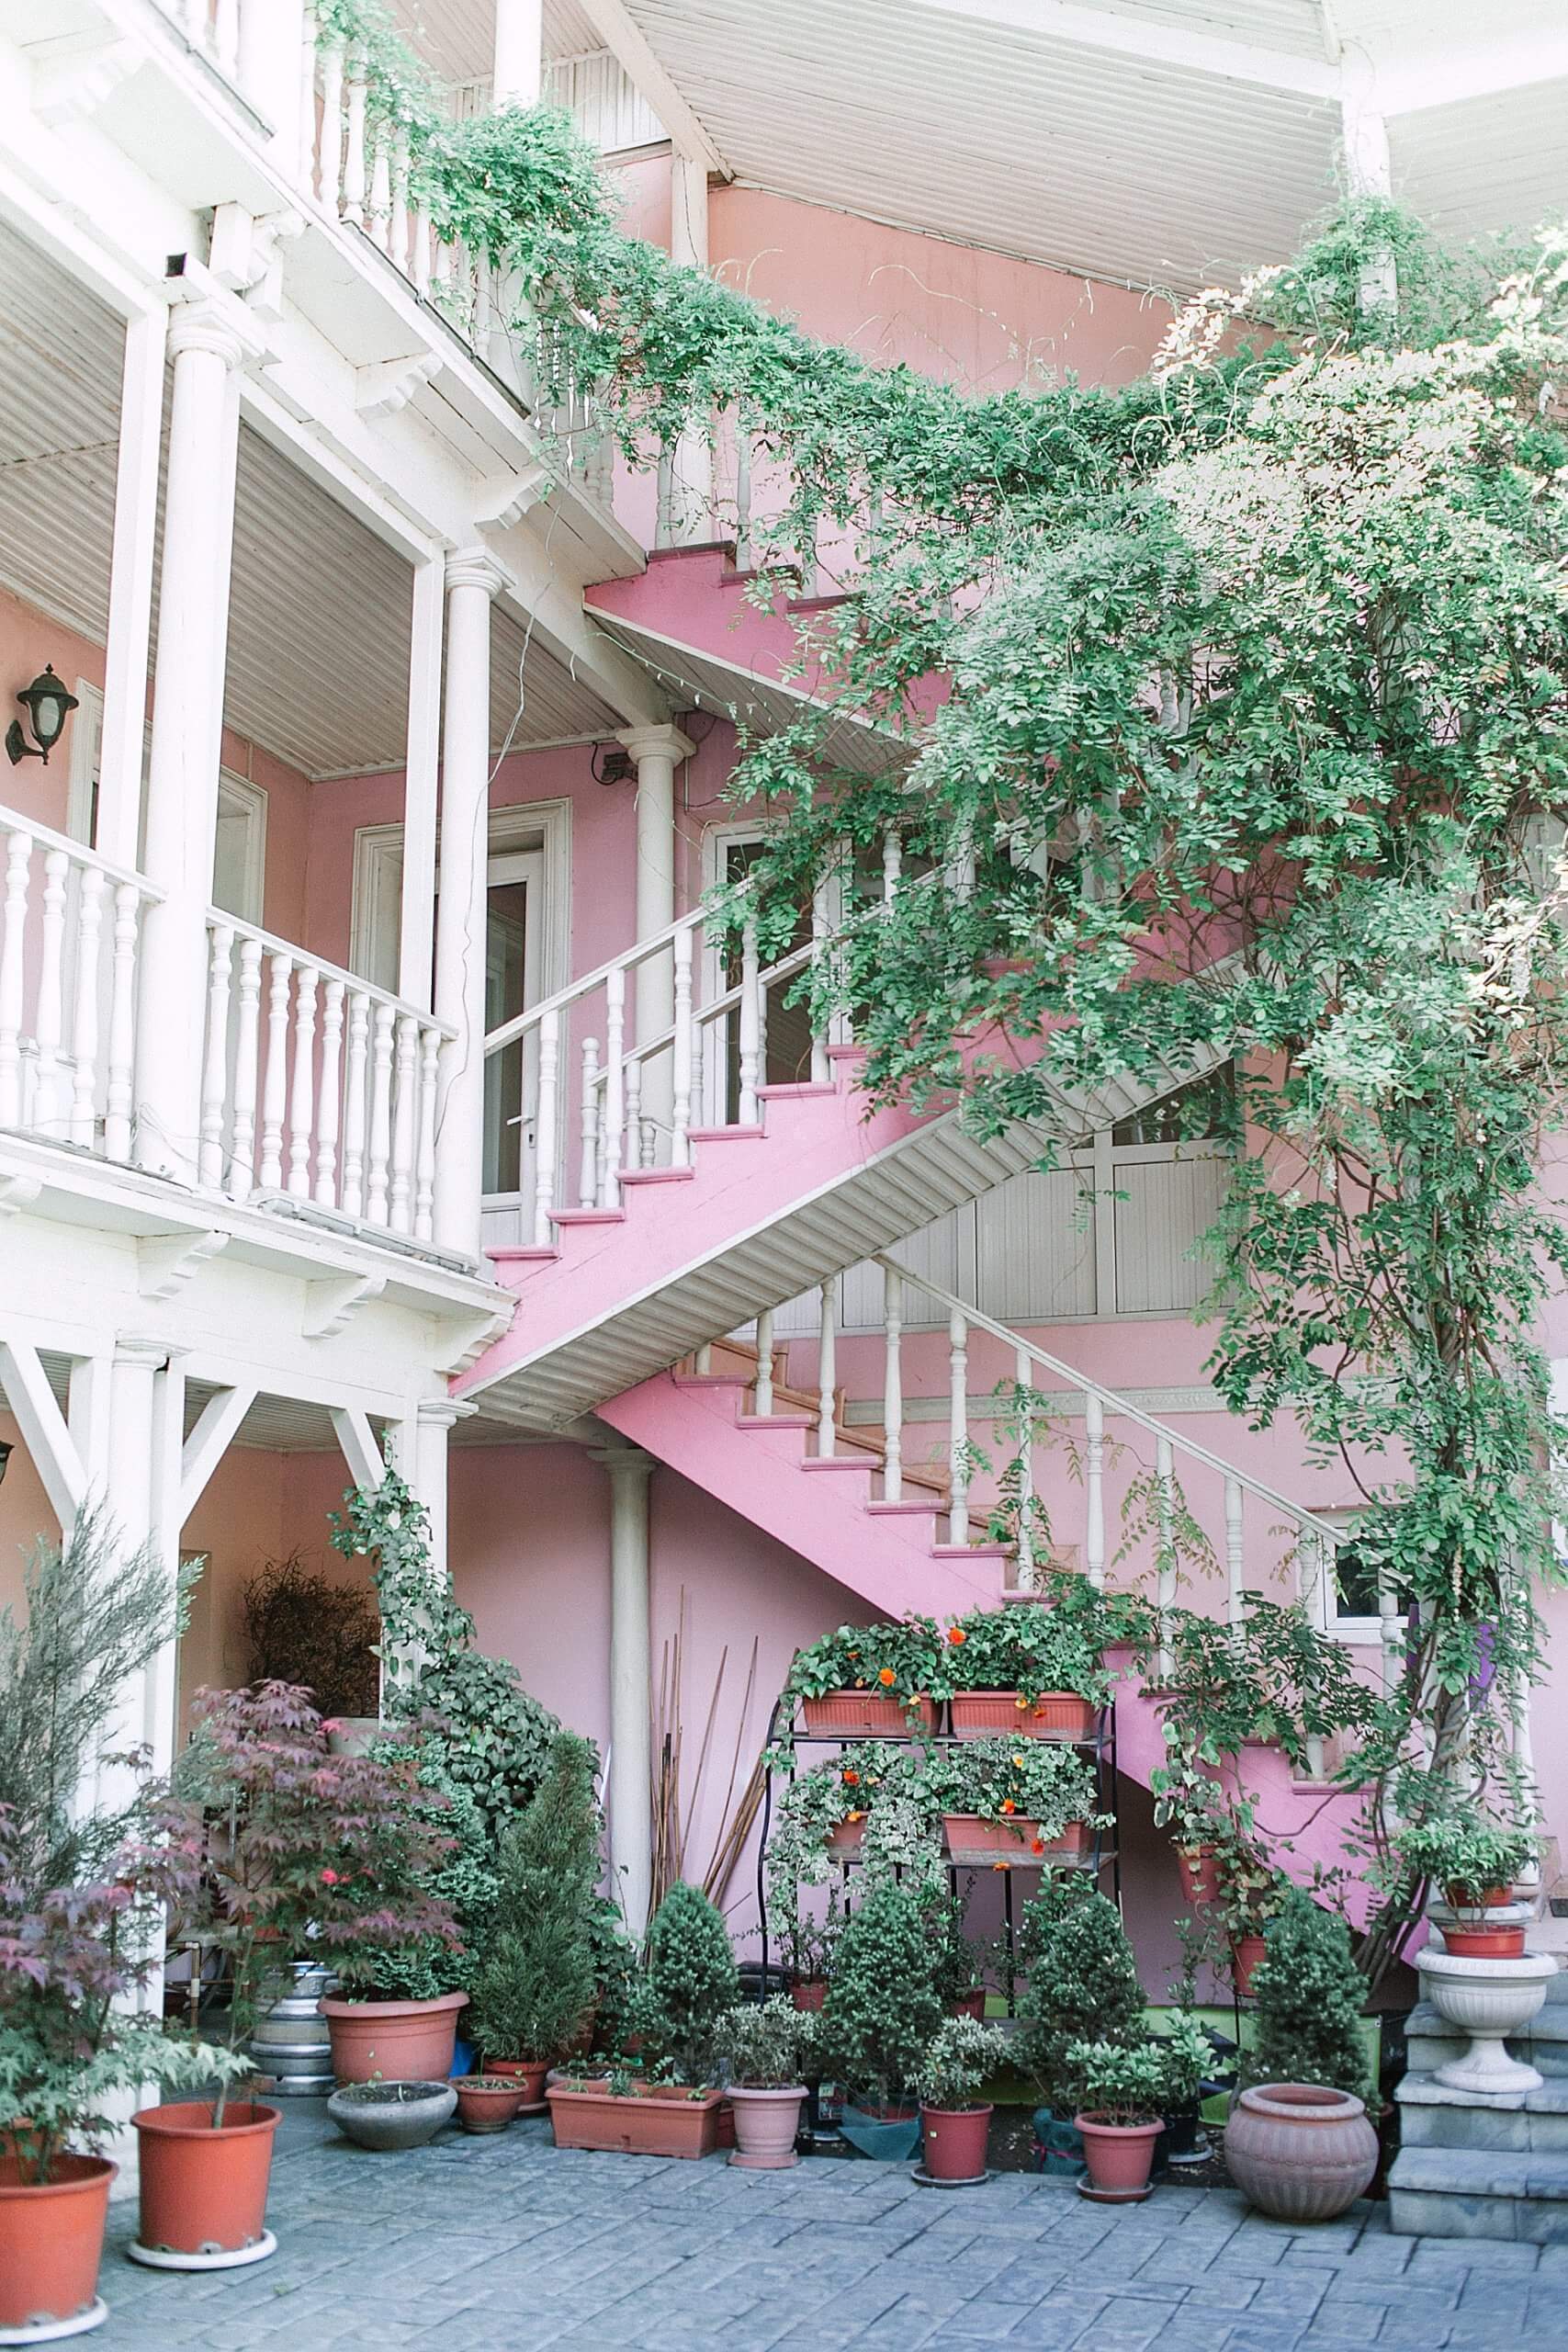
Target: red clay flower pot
1119,2156
809,1992
1248,1952
846,1837
52,2240
636,2124
969,2005
1199,1874
1485,1898
765,2124
865,1715
955,2140
980,1837
204,2192
487,2102
401,2042
529,2077
1484,1943
1056,1715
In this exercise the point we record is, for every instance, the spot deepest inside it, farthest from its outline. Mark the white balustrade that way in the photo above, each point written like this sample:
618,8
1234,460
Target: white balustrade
892,1385
958,1426
762,1388
827,1370
68,990
329,1096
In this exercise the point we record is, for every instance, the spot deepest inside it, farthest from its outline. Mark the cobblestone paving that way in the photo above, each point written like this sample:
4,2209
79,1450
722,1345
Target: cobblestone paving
474,2243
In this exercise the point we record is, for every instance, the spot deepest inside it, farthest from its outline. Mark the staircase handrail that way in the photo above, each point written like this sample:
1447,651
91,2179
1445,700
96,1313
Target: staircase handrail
627,960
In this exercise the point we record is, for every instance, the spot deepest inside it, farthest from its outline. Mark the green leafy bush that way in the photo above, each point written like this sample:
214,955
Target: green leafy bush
535,1981
956,2063
1025,1781
691,1981
303,1629
1081,1981
1309,1993
883,2005
1467,1856
1026,1647
899,1661
770,2046
1116,2082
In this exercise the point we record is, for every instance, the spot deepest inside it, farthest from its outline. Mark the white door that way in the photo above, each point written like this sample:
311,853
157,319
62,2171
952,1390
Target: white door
513,966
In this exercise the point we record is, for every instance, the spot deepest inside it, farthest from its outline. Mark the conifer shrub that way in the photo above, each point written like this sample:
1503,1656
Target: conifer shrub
1081,1981
536,1978
1309,1992
883,2004
691,1981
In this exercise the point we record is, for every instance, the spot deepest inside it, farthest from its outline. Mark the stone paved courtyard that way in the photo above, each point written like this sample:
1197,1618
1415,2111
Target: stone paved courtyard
482,2243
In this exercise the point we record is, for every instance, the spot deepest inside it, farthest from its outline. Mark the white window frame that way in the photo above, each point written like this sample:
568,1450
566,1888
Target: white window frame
239,796
243,802
1356,1632
375,913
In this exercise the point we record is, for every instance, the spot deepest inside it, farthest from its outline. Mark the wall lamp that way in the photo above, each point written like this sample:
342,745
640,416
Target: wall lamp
48,707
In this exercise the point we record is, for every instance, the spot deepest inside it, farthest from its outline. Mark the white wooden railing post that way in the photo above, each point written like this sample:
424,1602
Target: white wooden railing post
681,1086
1236,1572
122,1088
821,929
353,177
743,495
302,1089
310,35
84,1012
400,1192
275,1084
381,1151
750,1026
827,1368
1390,1636
1094,1489
892,1385
13,942
354,1099
48,1019
588,1165
329,158
892,863
545,1142
632,1142
215,1080
958,1426
1165,1507
247,1062
430,1042
615,1084
763,1394
327,1106
1023,1382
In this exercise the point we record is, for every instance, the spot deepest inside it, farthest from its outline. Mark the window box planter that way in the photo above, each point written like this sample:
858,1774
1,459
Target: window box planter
979,1838
203,2192
953,2142
635,2124
1056,1715
1119,2156
866,1714
401,2042
52,2241
528,2076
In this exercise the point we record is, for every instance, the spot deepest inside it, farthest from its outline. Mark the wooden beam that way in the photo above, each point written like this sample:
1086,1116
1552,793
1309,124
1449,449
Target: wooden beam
612,20
217,1427
1147,41
361,1452
44,1434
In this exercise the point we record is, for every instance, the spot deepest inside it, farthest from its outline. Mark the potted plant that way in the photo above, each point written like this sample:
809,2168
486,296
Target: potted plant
804,1946
764,2051
1475,1862
1121,2088
1299,2143
1021,1800
882,2009
1191,1803
953,2069
868,1681
1187,2056
1080,1983
535,1981
1026,1671
666,2104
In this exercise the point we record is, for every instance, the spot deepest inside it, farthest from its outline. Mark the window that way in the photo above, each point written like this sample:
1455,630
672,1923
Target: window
239,857
512,983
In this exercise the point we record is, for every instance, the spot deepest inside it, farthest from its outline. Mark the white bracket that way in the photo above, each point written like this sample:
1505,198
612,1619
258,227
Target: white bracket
246,256
216,1426
77,78
387,385
164,1266
54,1450
357,1439
506,498
18,1193
331,1305
472,1338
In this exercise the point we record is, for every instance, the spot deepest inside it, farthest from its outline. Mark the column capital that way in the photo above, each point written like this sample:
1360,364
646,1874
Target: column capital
143,1348
623,1461
441,1412
654,743
475,567
205,326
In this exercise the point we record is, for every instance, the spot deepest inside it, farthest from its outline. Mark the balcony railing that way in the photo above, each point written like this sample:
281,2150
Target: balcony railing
69,941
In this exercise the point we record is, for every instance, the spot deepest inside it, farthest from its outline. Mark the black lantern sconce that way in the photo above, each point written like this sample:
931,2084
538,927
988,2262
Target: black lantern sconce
49,705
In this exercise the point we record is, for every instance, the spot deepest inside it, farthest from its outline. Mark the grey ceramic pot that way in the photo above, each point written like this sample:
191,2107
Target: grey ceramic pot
388,2116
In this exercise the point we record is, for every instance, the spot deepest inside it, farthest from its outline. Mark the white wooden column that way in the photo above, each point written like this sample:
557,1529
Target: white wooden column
519,52
187,705
118,831
631,1744
421,1457
136,1500
473,578
417,933
692,492
271,70
657,751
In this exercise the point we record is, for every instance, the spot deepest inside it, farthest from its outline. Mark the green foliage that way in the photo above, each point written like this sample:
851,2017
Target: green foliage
1028,1648
1039,1781
303,1629
769,2046
1309,1993
882,2006
1188,2057
691,1981
1116,2082
1467,1854
1275,1677
957,2062
535,1977
1081,1981
899,1659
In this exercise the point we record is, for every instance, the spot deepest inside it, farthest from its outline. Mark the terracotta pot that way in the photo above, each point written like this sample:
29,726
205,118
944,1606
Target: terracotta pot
809,1992
487,2102
725,2136
399,2042
1199,1874
969,2005
1248,1952
529,2078
954,2139
1298,2153
51,2241
865,1715
846,1837
641,2124
980,1837
204,2192
765,2125
1119,2156
1484,1943
1470,1898
1056,1715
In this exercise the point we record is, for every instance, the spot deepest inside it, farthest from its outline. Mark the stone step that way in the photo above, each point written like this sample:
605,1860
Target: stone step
1431,2042
1479,2193
1510,2122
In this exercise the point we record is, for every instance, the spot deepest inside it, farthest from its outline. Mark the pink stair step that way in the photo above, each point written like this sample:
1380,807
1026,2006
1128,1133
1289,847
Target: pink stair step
775,1421
796,1090
534,1254
588,1217
656,1176
972,1550
933,1506
724,1135
865,1462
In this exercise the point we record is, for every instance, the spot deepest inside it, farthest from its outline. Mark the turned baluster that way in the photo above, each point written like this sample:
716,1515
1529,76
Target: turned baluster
354,1102
958,1426
826,1369
84,1012
588,1164
544,1144
247,1060
121,1091
327,1104
1236,1606
1094,1489
892,1385
13,946
215,1071
354,176
276,1082
381,1150
750,1027
48,1023
680,1077
614,1083
763,1396
424,1166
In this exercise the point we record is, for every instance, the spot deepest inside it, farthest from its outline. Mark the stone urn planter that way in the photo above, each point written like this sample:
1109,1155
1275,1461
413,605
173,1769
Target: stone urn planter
487,2102
390,2117
52,2241
1487,1999
766,2122
400,2042
203,2190
635,2124
1298,2153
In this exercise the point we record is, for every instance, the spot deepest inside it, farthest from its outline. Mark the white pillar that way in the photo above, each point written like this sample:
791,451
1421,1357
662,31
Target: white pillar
472,579
422,1458
271,69
187,711
693,515
519,53
657,751
428,630
631,1743
130,1492
130,587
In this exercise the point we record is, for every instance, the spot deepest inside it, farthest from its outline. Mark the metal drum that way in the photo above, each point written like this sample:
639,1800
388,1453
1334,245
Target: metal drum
291,2041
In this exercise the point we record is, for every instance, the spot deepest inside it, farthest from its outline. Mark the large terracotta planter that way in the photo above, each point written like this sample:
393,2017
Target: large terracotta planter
1056,1715
639,2123
954,2139
1298,2153
1487,1999
865,1715
528,2075
397,2041
52,2241
1119,2156
980,1837
765,2124
204,2192
1200,1868
1248,1952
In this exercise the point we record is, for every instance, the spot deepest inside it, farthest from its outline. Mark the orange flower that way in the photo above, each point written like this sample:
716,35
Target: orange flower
1018,1763
854,1816
1020,1700
999,1866
887,1678
851,1779
1008,1805
957,1636
1037,1845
